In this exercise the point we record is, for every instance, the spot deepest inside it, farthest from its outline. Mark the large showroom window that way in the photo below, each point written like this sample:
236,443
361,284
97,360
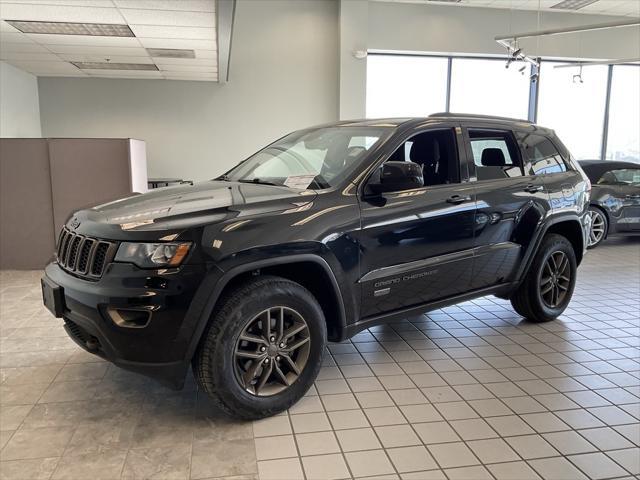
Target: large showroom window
485,86
406,85
623,139
573,105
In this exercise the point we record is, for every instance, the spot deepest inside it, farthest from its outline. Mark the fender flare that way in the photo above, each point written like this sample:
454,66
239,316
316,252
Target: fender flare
216,285
541,232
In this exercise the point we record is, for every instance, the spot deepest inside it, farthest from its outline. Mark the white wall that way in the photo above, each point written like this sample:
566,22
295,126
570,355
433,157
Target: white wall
19,107
283,76
454,29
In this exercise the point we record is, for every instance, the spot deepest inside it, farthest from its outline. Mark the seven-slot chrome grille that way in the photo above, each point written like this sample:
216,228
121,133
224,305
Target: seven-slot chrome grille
84,256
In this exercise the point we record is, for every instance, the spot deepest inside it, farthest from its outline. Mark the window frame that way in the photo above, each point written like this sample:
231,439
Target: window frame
501,128
568,167
394,144
534,87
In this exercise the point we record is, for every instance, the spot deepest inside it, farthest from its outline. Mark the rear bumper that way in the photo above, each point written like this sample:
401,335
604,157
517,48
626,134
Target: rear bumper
157,348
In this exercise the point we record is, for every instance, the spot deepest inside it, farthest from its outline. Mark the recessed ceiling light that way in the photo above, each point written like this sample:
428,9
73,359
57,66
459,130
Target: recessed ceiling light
69,28
114,66
573,4
171,53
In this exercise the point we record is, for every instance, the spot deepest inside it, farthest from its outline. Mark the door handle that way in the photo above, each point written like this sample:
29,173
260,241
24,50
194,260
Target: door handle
455,199
533,188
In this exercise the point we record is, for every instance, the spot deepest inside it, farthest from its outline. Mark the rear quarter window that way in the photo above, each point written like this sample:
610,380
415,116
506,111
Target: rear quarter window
542,155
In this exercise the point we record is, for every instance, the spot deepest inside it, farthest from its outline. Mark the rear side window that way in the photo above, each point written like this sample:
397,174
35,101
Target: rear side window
542,155
495,154
623,176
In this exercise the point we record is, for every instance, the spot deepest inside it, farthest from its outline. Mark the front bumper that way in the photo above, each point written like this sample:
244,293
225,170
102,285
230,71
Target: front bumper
157,348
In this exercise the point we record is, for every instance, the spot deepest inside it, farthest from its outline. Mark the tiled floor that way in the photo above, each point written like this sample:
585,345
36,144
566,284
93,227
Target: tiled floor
468,392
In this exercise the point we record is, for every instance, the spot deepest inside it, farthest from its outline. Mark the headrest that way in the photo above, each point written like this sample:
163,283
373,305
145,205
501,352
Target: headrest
425,152
493,157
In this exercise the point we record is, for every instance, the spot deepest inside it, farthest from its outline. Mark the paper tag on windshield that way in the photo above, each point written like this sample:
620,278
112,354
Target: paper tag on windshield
299,181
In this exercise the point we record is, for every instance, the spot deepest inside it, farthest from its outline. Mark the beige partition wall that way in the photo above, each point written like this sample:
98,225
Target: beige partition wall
26,210
42,181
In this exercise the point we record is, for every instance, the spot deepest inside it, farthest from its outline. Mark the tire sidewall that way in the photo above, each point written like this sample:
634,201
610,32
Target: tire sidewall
279,294
553,246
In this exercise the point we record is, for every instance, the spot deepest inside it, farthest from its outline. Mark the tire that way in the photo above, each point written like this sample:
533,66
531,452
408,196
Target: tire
599,227
220,366
532,299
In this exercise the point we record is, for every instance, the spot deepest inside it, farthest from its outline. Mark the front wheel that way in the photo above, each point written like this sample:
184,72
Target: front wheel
599,227
263,348
548,286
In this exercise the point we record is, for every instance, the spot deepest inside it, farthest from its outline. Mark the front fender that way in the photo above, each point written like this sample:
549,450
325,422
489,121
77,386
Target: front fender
211,289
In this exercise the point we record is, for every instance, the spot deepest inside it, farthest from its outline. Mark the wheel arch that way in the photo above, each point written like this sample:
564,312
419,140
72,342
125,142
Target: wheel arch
569,226
311,271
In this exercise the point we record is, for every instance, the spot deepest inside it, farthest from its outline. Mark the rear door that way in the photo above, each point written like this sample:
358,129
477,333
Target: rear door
509,203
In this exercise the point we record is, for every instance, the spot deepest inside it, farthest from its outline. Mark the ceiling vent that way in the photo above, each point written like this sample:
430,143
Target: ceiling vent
114,66
573,4
171,53
68,28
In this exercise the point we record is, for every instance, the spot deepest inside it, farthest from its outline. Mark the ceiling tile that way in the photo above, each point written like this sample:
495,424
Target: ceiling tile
14,38
29,57
123,73
213,78
185,5
206,54
22,47
178,43
5,27
185,61
188,68
191,33
77,57
35,66
70,3
57,13
166,17
86,40
102,51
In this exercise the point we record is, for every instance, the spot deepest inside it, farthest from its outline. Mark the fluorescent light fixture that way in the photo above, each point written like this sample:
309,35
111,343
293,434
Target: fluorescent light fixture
573,4
70,28
114,66
171,53
446,1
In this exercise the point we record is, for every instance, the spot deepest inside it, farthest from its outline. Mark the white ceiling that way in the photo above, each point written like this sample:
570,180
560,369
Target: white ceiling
174,24
603,7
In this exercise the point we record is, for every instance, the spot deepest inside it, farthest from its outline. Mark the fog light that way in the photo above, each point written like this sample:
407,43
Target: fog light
129,318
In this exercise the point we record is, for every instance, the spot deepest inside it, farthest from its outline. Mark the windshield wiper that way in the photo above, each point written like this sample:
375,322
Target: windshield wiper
261,182
223,178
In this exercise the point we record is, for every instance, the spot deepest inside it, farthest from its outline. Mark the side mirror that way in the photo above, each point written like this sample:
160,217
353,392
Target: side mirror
397,176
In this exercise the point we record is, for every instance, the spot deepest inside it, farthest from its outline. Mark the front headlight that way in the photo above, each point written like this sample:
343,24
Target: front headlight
152,255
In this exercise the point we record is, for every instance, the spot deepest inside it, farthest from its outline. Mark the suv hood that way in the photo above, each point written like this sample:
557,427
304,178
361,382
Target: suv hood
184,206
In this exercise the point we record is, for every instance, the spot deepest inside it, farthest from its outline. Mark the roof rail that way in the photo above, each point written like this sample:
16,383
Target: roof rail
474,115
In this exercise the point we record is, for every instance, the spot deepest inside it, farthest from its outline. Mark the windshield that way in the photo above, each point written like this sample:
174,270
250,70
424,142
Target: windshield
624,176
309,159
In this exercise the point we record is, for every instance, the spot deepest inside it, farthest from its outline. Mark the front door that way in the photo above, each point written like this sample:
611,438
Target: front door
417,245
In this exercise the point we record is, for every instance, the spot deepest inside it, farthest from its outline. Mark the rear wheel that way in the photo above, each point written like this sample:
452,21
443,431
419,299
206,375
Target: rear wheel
599,227
263,348
547,289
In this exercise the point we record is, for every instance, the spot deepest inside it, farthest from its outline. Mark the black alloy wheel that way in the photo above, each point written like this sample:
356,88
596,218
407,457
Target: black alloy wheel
556,279
272,351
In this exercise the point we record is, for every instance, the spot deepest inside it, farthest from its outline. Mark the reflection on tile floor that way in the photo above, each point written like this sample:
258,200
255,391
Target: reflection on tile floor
466,392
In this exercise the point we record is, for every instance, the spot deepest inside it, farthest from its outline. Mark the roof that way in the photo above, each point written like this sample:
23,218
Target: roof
435,117
596,168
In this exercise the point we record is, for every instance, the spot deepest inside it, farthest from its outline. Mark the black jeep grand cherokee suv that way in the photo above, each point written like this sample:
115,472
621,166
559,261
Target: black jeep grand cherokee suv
323,233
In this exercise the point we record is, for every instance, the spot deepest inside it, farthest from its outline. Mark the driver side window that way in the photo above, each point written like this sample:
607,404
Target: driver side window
435,152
